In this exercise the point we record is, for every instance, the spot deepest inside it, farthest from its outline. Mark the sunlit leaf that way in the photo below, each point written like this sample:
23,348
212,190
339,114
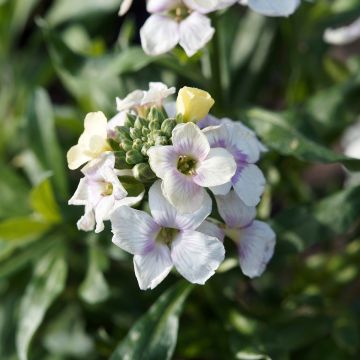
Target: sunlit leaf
46,284
154,336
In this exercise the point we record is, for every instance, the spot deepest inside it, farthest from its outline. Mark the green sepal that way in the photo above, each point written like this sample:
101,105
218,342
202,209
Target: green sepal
126,144
154,125
122,133
134,157
137,144
143,172
141,123
135,133
168,126
130,120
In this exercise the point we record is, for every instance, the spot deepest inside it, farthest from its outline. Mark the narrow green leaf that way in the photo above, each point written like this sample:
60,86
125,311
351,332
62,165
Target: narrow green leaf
279,135
43,202
46,285
22,228
41,126
154,336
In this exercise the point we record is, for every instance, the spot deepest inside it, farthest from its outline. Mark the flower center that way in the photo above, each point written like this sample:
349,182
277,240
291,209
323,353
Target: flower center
108,189
166,235
186,165
180,13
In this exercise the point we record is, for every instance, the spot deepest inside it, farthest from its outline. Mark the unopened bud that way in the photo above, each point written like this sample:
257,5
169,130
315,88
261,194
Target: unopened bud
143,172
130,120
134,157
167,126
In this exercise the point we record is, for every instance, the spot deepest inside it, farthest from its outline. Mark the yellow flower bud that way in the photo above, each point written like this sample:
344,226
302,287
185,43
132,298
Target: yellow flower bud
193,104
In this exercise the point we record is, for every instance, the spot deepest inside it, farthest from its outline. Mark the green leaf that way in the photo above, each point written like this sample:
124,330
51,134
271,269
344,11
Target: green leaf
22,228
154,336
307,225
46,284
95,289
41,126
280,136
43,202
14,193
65,10
346,333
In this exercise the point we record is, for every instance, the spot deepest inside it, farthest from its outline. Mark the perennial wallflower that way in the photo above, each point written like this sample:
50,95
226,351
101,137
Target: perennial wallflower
100,191
177,22
189,165
92,143
248,180
255,239
165,239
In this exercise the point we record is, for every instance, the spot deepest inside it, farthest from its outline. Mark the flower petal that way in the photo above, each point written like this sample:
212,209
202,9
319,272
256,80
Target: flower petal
211,229
256,248
87,221
182,192
249,183
221,189
195,32
343,35
81,196
102,211
132,100
114,122
157,6
217,169
159,34
152,267
188,139
157,93
274,8
77,157
196,256
167,215
134,230
162,159
202,6
95,123
234,212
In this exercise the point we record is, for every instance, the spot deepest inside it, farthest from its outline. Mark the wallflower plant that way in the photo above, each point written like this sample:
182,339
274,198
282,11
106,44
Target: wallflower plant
176,159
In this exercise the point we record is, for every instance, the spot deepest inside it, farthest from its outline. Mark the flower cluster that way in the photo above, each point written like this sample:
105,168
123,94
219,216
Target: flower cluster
185,22
168,159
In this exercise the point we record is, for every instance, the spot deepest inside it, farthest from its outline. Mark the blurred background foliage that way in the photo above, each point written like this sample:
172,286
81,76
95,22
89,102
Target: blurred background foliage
65,294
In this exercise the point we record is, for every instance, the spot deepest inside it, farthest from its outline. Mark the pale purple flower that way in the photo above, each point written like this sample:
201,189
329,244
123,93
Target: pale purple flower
163,30
255,239
272,7
248,180
167,239
100,191
189,165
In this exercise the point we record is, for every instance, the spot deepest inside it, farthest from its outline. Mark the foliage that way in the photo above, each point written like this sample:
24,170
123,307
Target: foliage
65,294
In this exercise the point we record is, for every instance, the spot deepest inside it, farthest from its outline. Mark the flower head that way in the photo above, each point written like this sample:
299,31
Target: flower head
248,180
177,22
165,239
92,142
255,239
100,191
189,165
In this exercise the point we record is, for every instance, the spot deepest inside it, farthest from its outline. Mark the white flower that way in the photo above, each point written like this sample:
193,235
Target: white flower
272,7
100,191
191,29
92,142
139,98
189,165
343,35
255,239
248,180
166,239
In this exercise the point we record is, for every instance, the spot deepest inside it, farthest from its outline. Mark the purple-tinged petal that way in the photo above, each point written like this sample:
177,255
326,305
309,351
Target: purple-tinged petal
159,34
196,256
162,159
202,6
234,212
195,32
273,8
217,169
158,6
208,120
210,228
152,267
134,231
188,139
167,215
256,248
249,183
221,189
182,192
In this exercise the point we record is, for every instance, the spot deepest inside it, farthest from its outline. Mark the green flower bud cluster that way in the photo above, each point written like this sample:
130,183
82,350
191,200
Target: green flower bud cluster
137,136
